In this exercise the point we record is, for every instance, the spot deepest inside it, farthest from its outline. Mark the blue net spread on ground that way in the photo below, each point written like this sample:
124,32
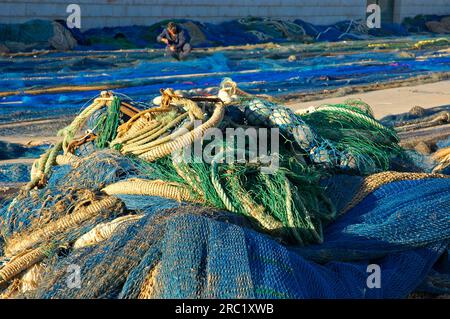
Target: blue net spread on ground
138,73
17,173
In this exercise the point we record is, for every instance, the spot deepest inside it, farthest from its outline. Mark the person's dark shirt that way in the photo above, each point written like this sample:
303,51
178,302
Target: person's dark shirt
181,37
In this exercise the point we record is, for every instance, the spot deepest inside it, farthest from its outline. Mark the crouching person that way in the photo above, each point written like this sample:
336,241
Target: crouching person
176,40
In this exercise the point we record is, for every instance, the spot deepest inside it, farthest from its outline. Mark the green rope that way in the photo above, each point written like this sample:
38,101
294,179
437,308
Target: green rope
51,160
107,124
360,116
218,186
353,130
272,201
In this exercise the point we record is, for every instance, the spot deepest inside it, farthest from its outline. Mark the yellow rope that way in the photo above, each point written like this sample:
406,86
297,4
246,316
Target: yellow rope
12,290
182,130
103,231
148,130
63,89
163,139
425,43
186,139
142,128
442,154
148,115
20,263
139,124
137,186
47,232
443,158
144,143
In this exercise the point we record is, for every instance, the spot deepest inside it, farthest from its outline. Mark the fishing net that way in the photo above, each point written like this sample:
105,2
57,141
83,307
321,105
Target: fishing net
424,132
189,252
370,229
28,32
352,128
36,35
112,205
42,34
14,173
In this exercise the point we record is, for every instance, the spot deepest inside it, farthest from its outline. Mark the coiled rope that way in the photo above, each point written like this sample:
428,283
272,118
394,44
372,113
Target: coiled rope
22,262
137,186
81,213
167,148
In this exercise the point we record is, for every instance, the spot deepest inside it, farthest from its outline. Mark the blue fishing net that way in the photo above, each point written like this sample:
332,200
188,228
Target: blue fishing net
94,172
241,263
396,217
200,257
183,251
29,32
15,173
143,74
12,150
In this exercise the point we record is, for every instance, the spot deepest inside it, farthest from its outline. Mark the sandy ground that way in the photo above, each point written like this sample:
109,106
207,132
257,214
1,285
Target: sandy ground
18,161
33,131
393,101
30,140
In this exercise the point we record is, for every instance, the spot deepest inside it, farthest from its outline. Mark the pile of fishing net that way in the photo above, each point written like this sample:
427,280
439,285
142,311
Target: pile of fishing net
248,30
35,35
131,209
441,26
425,133
44,35
421,22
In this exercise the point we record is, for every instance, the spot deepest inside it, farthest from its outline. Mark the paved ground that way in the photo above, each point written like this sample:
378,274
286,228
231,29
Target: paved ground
394,101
